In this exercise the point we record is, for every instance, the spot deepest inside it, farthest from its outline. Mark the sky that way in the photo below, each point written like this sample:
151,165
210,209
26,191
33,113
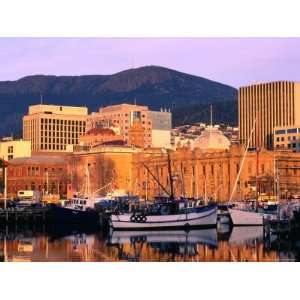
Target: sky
232,61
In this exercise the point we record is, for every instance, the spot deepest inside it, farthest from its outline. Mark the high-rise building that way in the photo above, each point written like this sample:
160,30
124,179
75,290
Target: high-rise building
272,105
50,128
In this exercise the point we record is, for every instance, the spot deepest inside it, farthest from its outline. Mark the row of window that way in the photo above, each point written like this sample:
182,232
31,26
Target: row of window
289,138
292,145
54,147
35,171
62,127
61,134
62,122
290,130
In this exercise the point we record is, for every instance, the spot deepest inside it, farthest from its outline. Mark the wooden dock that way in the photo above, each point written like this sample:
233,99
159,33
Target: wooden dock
24,215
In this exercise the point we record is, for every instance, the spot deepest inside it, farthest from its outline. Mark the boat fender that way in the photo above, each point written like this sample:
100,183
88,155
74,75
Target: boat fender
143,218
132,218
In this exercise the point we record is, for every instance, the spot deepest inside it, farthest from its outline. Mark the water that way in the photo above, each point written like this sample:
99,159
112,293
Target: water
70,245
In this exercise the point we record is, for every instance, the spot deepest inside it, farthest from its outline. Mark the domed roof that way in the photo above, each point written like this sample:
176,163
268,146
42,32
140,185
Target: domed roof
212,138
100,131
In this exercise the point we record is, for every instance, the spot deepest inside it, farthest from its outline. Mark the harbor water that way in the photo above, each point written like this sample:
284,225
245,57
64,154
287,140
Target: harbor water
224,244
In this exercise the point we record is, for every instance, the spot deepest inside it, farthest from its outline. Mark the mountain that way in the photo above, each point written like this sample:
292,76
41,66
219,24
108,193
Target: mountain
186,95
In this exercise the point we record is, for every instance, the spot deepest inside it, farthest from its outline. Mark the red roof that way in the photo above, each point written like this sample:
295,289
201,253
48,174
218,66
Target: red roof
102,131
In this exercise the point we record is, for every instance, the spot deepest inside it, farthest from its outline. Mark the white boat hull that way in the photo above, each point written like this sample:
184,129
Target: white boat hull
206,218
245,218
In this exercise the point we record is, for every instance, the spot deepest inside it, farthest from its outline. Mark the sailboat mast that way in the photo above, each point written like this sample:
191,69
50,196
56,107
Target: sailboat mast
242,163
170,175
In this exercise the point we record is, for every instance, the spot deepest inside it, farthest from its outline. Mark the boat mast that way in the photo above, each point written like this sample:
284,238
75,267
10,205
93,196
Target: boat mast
242,163
162,187
170,175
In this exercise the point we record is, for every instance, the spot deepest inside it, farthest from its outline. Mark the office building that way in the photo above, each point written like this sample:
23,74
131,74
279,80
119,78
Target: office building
287,138
156,125
273,104
51,128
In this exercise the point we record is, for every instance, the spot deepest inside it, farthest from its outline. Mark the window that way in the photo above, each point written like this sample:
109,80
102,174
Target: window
280,131
292,130
282,139
10,149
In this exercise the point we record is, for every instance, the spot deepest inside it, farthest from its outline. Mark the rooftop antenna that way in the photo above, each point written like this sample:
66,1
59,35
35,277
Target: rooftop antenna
134,100
41,97
211,116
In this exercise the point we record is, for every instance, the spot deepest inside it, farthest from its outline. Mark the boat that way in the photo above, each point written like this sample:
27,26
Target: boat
200,217
80,209
171,213
244,215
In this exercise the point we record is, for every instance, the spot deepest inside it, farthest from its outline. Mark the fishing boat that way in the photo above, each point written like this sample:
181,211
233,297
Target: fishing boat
168,214
80,209
205,217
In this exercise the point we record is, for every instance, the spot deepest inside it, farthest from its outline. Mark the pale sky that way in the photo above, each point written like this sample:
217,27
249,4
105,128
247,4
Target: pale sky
233,61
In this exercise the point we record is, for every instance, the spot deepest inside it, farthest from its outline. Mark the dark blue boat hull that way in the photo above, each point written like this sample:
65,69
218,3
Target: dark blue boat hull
71,216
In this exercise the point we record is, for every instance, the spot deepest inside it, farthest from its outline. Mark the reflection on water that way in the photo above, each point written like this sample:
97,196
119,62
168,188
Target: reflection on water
224,244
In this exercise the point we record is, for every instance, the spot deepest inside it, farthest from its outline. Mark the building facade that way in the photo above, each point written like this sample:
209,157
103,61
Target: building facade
272,105
213,174
102,169
10,148
156,125
51,128
42,174
161,128
287,138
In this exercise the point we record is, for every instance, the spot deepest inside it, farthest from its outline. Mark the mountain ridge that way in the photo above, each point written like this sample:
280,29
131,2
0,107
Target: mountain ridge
150,85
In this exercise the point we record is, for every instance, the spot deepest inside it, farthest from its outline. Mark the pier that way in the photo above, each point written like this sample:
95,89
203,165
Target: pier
24,215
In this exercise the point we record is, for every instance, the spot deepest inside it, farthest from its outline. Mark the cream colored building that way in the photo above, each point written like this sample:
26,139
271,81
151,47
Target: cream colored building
273,104
51,128
10,149
287,138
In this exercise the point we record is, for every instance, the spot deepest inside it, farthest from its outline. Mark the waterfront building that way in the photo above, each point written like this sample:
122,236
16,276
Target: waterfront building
273,104
51,128
108,167
156,125
44,174
287,138
212,174
10,148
